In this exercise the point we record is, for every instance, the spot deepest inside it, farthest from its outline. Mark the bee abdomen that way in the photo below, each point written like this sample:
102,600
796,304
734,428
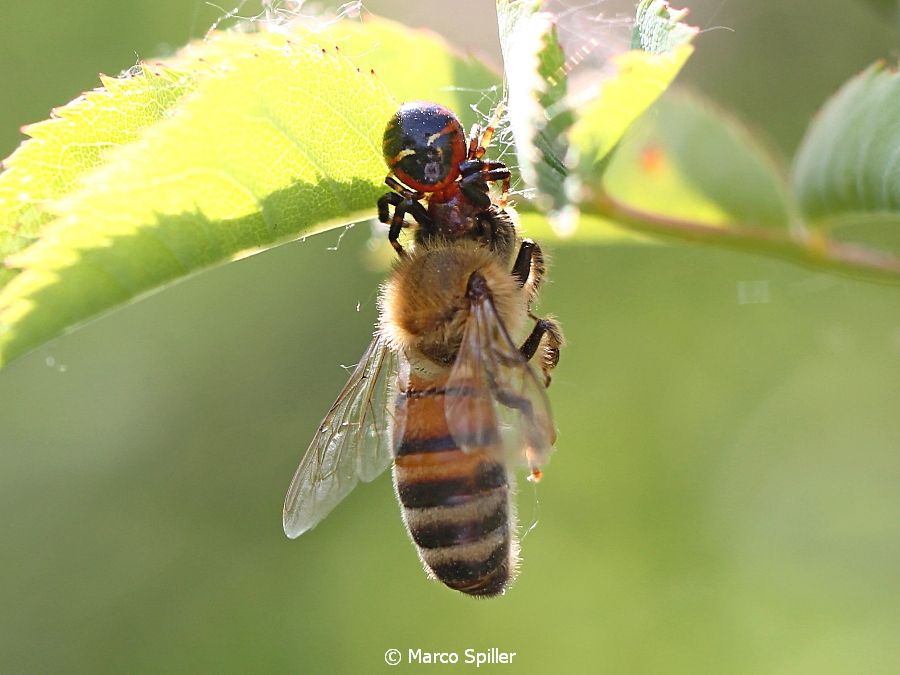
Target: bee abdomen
456,508
467,523
479,568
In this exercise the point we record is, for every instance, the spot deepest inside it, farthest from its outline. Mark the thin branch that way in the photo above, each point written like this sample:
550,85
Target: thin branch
815,250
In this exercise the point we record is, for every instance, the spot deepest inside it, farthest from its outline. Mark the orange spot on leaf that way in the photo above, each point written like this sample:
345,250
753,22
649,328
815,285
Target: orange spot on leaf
652,158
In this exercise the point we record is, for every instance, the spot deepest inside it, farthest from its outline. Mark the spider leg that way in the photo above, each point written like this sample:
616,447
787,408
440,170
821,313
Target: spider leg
486,137
397,186
474,142
394,232
480,137
385,201
479,140
496,174
493,166
404,201
476,174
475,188
498,171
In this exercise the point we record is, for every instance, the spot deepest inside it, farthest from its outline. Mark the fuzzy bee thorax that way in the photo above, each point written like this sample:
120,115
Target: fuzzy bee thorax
423,304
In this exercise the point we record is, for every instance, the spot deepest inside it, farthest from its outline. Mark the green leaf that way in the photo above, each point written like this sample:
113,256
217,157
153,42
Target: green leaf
642,77
848,165
537,85
418,66
688,172
243,142
62,149
686,159
660,44
658,28
558,127
660,47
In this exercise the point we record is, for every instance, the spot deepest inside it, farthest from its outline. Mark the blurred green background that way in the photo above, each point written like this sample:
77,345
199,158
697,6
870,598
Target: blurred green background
724,498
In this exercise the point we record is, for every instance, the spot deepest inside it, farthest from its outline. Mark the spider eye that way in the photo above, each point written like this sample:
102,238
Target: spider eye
423,145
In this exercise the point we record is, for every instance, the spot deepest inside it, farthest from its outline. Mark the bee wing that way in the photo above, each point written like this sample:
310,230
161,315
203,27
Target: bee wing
353,442
514,407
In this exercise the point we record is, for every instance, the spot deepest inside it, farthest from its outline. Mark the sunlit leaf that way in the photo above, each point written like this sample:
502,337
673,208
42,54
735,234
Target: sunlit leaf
658,28
642,77
660,47
537,85
436,72
239,143
73,141
575,87
687,171
687,159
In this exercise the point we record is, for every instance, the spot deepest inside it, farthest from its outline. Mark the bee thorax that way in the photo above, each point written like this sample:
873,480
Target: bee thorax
424,307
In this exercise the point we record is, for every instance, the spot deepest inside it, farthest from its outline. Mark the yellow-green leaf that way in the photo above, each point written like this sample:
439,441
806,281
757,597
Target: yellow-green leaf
239,143
642,77
686,159
570,100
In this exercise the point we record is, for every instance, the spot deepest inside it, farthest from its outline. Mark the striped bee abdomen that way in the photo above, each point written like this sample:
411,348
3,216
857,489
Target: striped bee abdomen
455,503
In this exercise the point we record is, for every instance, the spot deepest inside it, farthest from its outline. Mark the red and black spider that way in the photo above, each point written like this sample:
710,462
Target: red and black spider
426,151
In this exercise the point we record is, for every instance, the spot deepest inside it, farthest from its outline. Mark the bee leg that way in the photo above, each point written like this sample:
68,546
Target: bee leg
529,267
522,266
547,336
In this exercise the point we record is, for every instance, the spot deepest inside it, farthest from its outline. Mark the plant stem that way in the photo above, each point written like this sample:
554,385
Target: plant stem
813,250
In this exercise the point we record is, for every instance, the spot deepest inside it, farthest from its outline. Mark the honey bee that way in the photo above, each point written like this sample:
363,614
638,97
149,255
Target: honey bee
452,388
